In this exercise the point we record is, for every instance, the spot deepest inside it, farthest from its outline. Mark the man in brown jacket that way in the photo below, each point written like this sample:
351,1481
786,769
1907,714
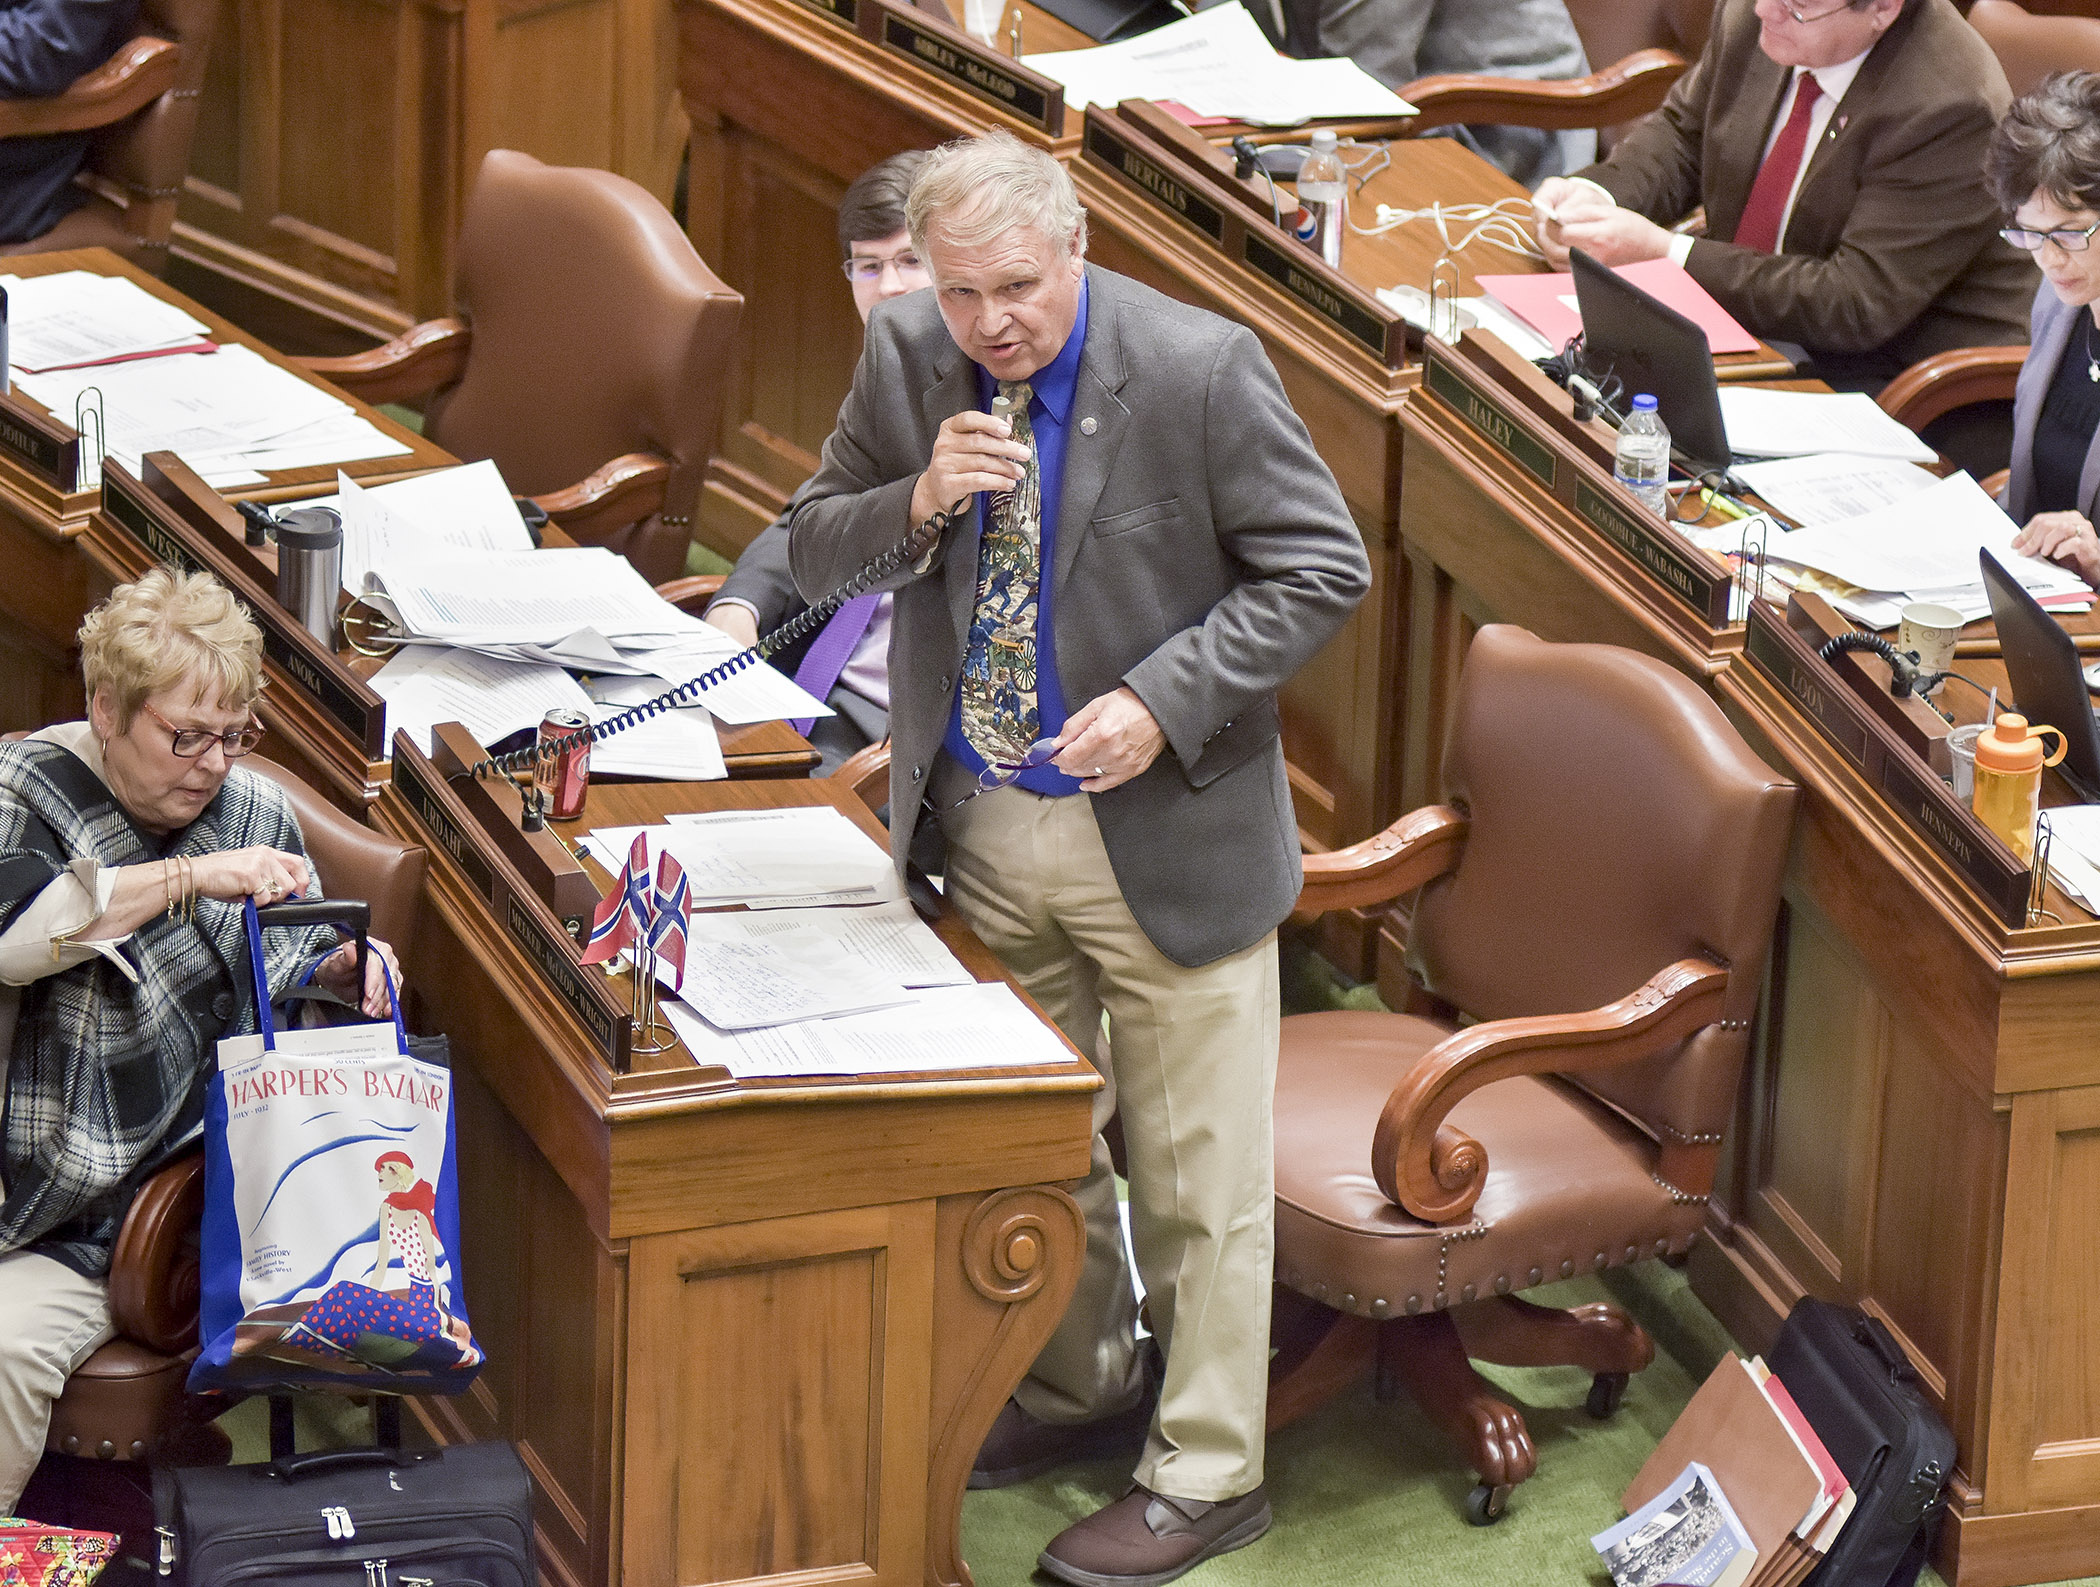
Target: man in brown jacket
1837,146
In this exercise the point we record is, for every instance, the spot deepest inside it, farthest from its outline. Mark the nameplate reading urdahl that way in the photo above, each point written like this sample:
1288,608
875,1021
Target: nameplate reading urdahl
1149,179
1642,538
982,77
550,956
430,810
1488,418
846,11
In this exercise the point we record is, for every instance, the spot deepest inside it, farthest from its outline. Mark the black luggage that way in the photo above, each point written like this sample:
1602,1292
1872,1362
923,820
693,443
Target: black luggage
1861,1395
375,1517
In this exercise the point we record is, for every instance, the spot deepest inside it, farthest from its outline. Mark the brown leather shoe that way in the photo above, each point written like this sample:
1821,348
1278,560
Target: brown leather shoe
1019,1446
1147,1538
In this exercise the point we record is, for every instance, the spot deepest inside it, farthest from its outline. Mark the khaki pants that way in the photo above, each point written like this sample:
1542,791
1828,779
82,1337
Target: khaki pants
51,1320
1193,1074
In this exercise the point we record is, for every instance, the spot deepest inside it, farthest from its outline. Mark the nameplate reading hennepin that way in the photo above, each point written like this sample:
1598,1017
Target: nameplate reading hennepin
1346,315
1489,418
1149,179
1998,876
981,75
1704,589
551,957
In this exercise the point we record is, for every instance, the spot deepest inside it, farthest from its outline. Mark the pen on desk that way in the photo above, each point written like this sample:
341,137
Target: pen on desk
1722,505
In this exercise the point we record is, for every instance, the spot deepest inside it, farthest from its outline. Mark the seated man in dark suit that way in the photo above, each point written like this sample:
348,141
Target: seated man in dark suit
1837,146
847,664
44,45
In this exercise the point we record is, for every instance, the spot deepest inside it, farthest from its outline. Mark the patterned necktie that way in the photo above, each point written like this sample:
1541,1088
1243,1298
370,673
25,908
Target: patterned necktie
999,717
1766,208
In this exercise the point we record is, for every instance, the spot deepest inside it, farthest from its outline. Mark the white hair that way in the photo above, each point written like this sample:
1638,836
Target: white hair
981,188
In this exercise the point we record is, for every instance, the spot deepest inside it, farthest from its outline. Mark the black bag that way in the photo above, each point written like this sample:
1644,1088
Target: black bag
376,1517
1861,1395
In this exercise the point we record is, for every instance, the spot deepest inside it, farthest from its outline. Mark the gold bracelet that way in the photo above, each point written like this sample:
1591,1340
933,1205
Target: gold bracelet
167,886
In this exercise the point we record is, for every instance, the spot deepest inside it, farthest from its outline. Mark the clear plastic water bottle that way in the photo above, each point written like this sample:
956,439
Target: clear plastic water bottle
1641,460
1323,188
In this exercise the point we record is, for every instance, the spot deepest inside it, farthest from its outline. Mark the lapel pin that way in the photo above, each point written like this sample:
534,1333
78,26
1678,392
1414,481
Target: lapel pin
1088,425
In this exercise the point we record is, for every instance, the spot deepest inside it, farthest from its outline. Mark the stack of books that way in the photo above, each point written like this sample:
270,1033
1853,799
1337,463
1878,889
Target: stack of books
1739,1493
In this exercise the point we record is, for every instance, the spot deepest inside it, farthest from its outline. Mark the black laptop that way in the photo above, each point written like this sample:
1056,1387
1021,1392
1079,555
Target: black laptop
1652,348
2048,685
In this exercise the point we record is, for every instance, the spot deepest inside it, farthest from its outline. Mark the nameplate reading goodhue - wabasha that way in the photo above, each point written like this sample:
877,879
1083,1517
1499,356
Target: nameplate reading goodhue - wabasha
1490,418
1145,175
982,75
1643,538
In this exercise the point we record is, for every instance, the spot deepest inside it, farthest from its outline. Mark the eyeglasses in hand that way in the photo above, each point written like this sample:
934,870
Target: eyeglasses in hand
2068,241
191,742
997,774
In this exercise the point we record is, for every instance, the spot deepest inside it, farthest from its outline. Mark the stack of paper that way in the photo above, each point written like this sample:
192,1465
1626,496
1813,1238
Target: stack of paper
766,859
1832,486
1763,423
491,698
2074,852
448,512
1921,548
76,317
1219,64
232,417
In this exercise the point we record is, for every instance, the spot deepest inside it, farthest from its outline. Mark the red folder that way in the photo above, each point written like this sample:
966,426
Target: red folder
1538,301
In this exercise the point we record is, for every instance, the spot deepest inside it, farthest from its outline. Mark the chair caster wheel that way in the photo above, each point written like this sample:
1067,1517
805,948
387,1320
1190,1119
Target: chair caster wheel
1485,1505
1607,1389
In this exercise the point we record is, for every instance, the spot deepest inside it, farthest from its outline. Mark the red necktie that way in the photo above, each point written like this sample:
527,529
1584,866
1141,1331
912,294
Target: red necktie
1759,227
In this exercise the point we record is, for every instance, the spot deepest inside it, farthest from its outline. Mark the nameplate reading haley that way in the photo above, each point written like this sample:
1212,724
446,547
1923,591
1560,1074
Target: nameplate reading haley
1491,419
981,72
1703,588
1108,149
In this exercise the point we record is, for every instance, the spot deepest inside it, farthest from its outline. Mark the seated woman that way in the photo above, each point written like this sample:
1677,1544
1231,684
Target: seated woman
2044,171
128,843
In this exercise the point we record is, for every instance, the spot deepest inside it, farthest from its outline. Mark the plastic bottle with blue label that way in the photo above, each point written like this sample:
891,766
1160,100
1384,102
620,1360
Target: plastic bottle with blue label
1641,459
1323,188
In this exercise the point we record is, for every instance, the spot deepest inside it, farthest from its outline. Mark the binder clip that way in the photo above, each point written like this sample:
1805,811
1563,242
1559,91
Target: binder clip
369,629
87,420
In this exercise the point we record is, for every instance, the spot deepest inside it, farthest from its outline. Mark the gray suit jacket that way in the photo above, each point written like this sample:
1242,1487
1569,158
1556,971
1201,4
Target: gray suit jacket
1203,554
2051,326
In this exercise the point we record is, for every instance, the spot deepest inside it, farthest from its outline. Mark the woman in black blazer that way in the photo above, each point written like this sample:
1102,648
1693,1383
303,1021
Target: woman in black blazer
2044,171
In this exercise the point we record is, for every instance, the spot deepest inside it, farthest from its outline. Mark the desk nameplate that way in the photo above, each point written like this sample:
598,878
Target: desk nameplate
1307,279
1922,802
1489,417
1108,146
313,670
1692,579
43,453
844,11
974,67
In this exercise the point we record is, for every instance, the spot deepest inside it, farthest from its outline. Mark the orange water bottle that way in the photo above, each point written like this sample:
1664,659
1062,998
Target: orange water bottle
2009,766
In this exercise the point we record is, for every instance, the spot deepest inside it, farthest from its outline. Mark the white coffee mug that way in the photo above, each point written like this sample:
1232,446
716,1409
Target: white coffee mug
1932,631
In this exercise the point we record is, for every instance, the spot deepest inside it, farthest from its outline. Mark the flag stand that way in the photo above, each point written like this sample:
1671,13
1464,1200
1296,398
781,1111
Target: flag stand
651,1035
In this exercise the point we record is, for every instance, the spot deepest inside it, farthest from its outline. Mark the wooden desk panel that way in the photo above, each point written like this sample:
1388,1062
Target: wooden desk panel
741,1332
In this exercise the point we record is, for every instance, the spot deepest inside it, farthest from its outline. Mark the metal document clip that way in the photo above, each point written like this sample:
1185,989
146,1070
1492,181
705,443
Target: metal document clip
1443,289
2038,878
87,419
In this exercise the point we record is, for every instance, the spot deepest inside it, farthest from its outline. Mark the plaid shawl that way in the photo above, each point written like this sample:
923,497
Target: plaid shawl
106,1077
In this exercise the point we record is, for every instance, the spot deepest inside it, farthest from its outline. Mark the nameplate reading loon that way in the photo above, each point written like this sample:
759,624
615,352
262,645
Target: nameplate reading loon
584,991
1646,540
1809,683
1013,88
1308,284
429,809
45,448
1490,418
846,11
1105,147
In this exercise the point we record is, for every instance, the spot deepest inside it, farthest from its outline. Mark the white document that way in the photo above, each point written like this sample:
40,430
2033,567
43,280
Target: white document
1795,423
789,857
492,699
444,513
1830,487
678,746
77,317
1219,63
1480,313
756,692
887,941
980,1026
525,596
1925,541
744,983
2076,828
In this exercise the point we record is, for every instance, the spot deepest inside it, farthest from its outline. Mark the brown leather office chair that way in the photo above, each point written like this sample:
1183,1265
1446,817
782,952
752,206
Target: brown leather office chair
1971,388
1597,896
126,1403
144,98
2030,47
1611,30
587,356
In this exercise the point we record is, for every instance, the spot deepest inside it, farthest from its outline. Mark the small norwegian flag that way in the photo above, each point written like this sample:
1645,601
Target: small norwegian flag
624,915
674,912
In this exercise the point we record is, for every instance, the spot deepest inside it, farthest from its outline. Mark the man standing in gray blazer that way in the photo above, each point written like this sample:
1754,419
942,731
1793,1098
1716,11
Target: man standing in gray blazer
1083,677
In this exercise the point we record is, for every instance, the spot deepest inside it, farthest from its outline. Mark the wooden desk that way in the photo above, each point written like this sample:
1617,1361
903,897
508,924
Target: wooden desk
49,584
741,1332
1915,1128
789,102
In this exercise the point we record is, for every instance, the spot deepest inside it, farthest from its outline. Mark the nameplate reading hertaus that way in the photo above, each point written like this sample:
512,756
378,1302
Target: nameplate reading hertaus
1703,588
1490,418
584,991
963,61
846,11
1809,683
1932,810
1305,283
423,801
1106,147
45,448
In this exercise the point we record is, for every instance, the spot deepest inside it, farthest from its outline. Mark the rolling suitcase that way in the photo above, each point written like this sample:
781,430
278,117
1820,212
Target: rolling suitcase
1861,1395
375,1517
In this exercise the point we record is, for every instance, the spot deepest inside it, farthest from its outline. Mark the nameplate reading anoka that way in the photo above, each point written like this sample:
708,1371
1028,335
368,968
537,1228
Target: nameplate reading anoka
1105,146
1490,418
969,65
1644,538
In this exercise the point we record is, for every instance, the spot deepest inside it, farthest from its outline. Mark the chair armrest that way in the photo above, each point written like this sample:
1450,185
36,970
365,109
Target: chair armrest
1953,379
1994,484
130,80
624,491
693,592
422,359
867,772
1435,1170
153,1270
1622,91
1421,846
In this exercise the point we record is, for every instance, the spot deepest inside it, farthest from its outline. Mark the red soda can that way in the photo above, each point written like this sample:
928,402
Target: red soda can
564,767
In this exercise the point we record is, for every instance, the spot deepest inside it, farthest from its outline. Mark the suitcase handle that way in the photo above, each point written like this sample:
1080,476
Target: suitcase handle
293,1467
1871,1332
